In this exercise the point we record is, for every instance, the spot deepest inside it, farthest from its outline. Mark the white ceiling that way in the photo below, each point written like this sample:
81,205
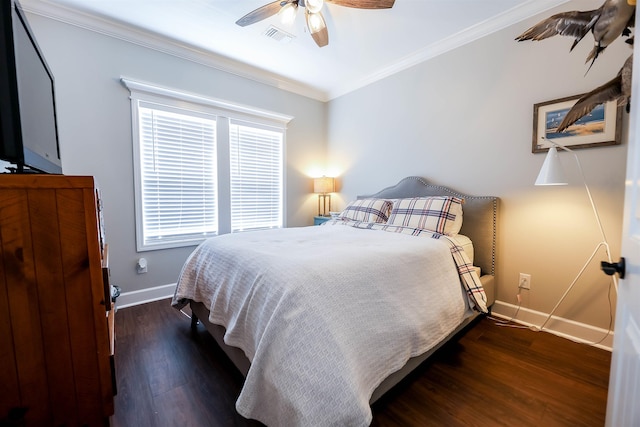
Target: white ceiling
364,45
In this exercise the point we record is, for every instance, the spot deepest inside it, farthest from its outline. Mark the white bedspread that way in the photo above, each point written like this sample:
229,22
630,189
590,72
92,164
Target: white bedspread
324,314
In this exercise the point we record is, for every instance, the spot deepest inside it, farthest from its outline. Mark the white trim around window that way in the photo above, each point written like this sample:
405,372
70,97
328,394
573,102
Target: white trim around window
203,167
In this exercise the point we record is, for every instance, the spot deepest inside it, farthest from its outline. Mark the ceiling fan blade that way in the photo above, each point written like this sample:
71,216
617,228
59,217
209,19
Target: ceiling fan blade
261,13
317,28
364,4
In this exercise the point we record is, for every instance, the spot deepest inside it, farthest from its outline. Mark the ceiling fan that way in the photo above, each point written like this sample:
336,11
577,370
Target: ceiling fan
315,21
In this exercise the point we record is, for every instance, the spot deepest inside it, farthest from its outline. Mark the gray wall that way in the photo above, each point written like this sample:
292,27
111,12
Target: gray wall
464,119
94,118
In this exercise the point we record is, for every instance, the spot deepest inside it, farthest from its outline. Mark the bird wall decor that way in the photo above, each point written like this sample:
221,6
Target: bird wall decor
617,89
315,21
613,19
608,22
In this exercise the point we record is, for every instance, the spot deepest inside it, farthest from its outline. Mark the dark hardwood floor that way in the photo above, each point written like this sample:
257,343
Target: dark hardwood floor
489,376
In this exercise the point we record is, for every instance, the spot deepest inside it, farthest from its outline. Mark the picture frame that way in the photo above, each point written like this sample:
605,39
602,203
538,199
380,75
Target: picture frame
601,127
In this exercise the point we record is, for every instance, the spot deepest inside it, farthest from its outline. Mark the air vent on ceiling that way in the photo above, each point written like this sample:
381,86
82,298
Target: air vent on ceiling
278,35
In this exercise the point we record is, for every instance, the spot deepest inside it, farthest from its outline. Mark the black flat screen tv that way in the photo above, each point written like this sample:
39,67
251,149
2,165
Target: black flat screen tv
28,125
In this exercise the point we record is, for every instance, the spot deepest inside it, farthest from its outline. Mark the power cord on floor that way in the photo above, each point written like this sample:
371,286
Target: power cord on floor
509,323
610,328
594,343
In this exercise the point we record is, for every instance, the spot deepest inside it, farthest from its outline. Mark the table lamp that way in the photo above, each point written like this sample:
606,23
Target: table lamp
323,186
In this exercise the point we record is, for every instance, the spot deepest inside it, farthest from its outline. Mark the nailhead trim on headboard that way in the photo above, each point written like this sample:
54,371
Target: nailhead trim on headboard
479,212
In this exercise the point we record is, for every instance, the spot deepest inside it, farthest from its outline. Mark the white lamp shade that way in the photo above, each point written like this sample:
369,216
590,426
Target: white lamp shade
314,6
551,172
315,22
288,13
323,185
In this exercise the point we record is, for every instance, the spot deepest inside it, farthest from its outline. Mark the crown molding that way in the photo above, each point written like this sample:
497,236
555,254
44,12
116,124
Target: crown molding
116,29
119,30
468,35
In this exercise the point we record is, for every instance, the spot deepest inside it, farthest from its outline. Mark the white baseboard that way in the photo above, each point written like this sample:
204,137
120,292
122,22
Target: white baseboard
575,331
129,299
565,328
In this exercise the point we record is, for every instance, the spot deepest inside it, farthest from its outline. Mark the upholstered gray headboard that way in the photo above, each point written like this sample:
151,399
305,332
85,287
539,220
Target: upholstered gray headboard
480,216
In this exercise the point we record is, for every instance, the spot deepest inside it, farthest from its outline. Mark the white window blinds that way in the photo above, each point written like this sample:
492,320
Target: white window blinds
256,177
203,166
178,176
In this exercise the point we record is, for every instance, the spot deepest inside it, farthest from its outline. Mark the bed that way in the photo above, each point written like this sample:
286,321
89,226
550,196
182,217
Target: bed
323,320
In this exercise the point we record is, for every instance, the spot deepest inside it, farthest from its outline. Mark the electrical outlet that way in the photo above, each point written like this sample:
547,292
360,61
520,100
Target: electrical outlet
525,281
141,265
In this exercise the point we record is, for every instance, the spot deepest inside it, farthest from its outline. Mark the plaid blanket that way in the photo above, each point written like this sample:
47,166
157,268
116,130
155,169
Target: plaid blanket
468,275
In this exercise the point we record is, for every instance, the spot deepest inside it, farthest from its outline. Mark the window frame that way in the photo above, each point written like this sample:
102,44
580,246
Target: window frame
184,239
224,112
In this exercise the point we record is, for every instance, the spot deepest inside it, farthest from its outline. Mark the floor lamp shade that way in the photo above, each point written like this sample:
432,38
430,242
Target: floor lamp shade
551,172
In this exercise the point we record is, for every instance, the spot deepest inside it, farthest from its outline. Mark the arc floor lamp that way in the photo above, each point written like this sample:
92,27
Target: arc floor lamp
551,173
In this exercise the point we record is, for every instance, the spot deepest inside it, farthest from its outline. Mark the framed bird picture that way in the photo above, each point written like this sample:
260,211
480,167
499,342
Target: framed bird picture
576,123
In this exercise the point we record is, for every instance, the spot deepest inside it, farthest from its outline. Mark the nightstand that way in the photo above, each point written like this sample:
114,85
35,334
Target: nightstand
317,220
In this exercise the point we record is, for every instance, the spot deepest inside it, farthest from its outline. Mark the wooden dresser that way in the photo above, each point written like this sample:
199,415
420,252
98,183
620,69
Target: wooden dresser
56,316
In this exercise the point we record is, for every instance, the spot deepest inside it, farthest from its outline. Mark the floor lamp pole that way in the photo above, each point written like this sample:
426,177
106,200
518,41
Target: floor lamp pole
603,242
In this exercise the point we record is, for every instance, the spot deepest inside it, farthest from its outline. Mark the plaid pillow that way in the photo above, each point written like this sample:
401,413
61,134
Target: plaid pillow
367,210
442,214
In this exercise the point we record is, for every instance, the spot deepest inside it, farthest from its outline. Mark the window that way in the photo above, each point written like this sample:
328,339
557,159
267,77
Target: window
203,167
178,176
256,177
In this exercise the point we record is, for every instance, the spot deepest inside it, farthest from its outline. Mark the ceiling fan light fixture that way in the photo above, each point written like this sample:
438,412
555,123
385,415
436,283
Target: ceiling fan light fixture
315,22
288,13
314,6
